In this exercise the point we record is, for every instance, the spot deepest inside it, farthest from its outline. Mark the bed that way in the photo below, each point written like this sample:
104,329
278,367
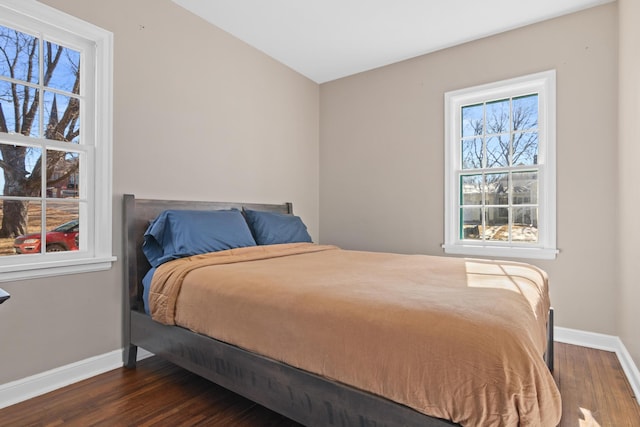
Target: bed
320,395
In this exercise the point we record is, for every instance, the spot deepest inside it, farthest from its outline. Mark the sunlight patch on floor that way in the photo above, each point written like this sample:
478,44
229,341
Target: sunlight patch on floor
587,419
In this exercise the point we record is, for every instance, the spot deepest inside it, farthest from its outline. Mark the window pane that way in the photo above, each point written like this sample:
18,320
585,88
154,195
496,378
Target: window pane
19,171
22,97
497,189
525,224
18,55
525,148
62,64
472,120
498,116
63,174
471,223
525,112
472,153
525,188
498,151
27,230
471,189
62,116
62,224
497,223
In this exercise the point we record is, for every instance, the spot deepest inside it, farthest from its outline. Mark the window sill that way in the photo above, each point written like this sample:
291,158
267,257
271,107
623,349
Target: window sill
501,251
55,268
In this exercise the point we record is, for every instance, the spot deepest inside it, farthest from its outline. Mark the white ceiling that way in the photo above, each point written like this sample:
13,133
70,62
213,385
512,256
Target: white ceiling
328,39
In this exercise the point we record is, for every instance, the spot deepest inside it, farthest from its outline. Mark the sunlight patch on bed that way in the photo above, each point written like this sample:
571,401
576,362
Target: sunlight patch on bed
489,275
518,278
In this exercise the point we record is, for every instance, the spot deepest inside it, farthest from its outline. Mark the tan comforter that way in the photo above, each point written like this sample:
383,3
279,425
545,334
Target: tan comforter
453,338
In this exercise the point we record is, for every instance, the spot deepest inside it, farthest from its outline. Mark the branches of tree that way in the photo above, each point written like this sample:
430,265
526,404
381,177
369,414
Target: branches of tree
499,144
19,61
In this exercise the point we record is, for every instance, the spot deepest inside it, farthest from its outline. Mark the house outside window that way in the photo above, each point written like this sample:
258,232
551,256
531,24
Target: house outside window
500,169
55,142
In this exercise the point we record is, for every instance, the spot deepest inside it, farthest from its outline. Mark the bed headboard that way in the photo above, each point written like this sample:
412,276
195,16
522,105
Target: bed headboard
138,213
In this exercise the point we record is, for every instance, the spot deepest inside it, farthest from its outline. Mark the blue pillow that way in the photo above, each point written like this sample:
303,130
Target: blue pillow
271,228
182,233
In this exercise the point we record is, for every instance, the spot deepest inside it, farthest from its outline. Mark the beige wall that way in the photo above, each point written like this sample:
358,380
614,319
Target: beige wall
382,157
197,115
629,155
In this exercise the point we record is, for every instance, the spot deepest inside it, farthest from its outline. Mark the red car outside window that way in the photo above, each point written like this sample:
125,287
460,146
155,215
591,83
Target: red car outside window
61,238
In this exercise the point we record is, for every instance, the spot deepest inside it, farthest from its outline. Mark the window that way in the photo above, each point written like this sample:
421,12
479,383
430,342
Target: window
55,142
500,169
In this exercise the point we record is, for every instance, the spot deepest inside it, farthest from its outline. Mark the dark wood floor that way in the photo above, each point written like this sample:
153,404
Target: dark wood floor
594,389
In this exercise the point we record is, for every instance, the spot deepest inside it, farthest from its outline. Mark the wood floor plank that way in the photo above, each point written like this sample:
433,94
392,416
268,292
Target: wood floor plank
602,375
594,390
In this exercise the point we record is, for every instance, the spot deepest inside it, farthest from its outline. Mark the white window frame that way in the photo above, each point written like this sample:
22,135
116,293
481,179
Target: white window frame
544,84
96,47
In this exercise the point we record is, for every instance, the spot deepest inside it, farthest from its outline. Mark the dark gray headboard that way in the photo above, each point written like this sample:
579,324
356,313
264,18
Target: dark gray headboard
138,213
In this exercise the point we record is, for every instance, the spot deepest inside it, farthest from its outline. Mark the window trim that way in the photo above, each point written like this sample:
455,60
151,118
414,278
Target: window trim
544,83
98,255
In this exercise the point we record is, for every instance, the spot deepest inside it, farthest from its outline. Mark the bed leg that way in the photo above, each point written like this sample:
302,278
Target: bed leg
548,356
130,356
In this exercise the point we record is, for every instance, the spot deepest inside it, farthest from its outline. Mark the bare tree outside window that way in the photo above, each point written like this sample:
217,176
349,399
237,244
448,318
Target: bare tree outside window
499,142
39,100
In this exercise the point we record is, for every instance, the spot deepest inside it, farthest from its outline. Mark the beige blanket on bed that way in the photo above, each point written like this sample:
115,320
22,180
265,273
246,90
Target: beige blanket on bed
452,338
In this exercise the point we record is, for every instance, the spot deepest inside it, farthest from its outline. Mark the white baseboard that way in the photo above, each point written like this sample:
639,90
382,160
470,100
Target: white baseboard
603,342
44,382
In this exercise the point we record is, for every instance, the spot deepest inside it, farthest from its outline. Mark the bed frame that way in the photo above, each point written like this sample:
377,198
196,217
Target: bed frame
302,396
